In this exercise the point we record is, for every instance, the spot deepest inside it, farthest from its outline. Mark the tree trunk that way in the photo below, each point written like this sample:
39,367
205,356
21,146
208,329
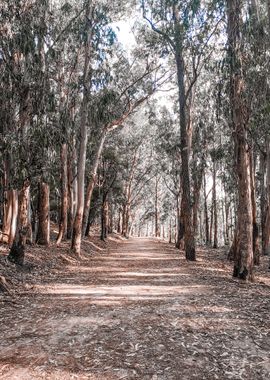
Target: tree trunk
256,250
70,211
64,196
92,181
17,251
7,216
243,265
77,227
206,218
214,202
119,221
185,172
14,217
43,233
104,218
266,224
157,227
196,197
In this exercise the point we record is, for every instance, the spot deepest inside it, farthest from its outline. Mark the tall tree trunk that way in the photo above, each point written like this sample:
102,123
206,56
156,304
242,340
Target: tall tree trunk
77,227
92,181
196,197
180,226
185,172
243,264
104,218
43,233
266,224
227,210
71,201
157,226
13,224
256,250
7,215
262,198
206,218
214,202
17,251
64,196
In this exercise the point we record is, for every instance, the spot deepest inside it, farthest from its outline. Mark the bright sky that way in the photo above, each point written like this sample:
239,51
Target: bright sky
124,33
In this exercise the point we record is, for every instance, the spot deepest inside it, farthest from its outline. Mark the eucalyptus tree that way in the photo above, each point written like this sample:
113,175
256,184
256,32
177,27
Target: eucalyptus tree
184,27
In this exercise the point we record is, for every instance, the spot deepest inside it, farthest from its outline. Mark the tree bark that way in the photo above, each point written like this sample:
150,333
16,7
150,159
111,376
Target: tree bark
64,196
157,226
104,218
43,233
92,181
185,171
243,264
17,251
206,218
196,197
266,223
214,202
13,224
256,250
77,227
7,216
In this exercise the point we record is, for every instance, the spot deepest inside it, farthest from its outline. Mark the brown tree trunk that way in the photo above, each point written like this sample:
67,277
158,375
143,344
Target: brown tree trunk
119,222
64,196
92,181
206,218
70,211
14,217
7,215
185,172
104,218
43,233
17,251
256,250
214,202
227,210
266,224
180,227
243,264
263,199
157,226
77,227
196,197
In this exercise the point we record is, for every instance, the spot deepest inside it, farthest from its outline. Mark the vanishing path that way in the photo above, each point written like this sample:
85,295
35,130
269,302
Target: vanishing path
138,312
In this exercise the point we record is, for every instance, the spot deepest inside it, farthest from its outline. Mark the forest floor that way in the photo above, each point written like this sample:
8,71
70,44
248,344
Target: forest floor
132,309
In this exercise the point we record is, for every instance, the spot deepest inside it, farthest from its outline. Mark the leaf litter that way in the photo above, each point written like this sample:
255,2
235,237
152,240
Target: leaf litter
132,309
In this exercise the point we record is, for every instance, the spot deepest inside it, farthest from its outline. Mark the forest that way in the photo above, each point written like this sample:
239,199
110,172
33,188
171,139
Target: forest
134,189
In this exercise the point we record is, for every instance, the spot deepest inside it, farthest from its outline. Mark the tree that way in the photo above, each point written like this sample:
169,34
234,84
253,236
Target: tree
243,267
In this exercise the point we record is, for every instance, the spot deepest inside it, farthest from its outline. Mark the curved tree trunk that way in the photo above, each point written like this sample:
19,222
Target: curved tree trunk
92,181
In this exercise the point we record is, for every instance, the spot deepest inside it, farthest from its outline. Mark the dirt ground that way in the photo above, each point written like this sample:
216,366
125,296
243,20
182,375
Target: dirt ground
134,309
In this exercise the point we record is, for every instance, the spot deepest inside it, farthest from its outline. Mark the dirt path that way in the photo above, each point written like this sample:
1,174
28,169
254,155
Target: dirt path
139,312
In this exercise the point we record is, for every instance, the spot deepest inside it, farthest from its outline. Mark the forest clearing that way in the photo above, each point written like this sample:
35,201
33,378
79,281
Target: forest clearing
134,189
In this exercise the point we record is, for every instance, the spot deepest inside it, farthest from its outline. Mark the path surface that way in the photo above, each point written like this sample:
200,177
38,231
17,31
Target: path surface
139,312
